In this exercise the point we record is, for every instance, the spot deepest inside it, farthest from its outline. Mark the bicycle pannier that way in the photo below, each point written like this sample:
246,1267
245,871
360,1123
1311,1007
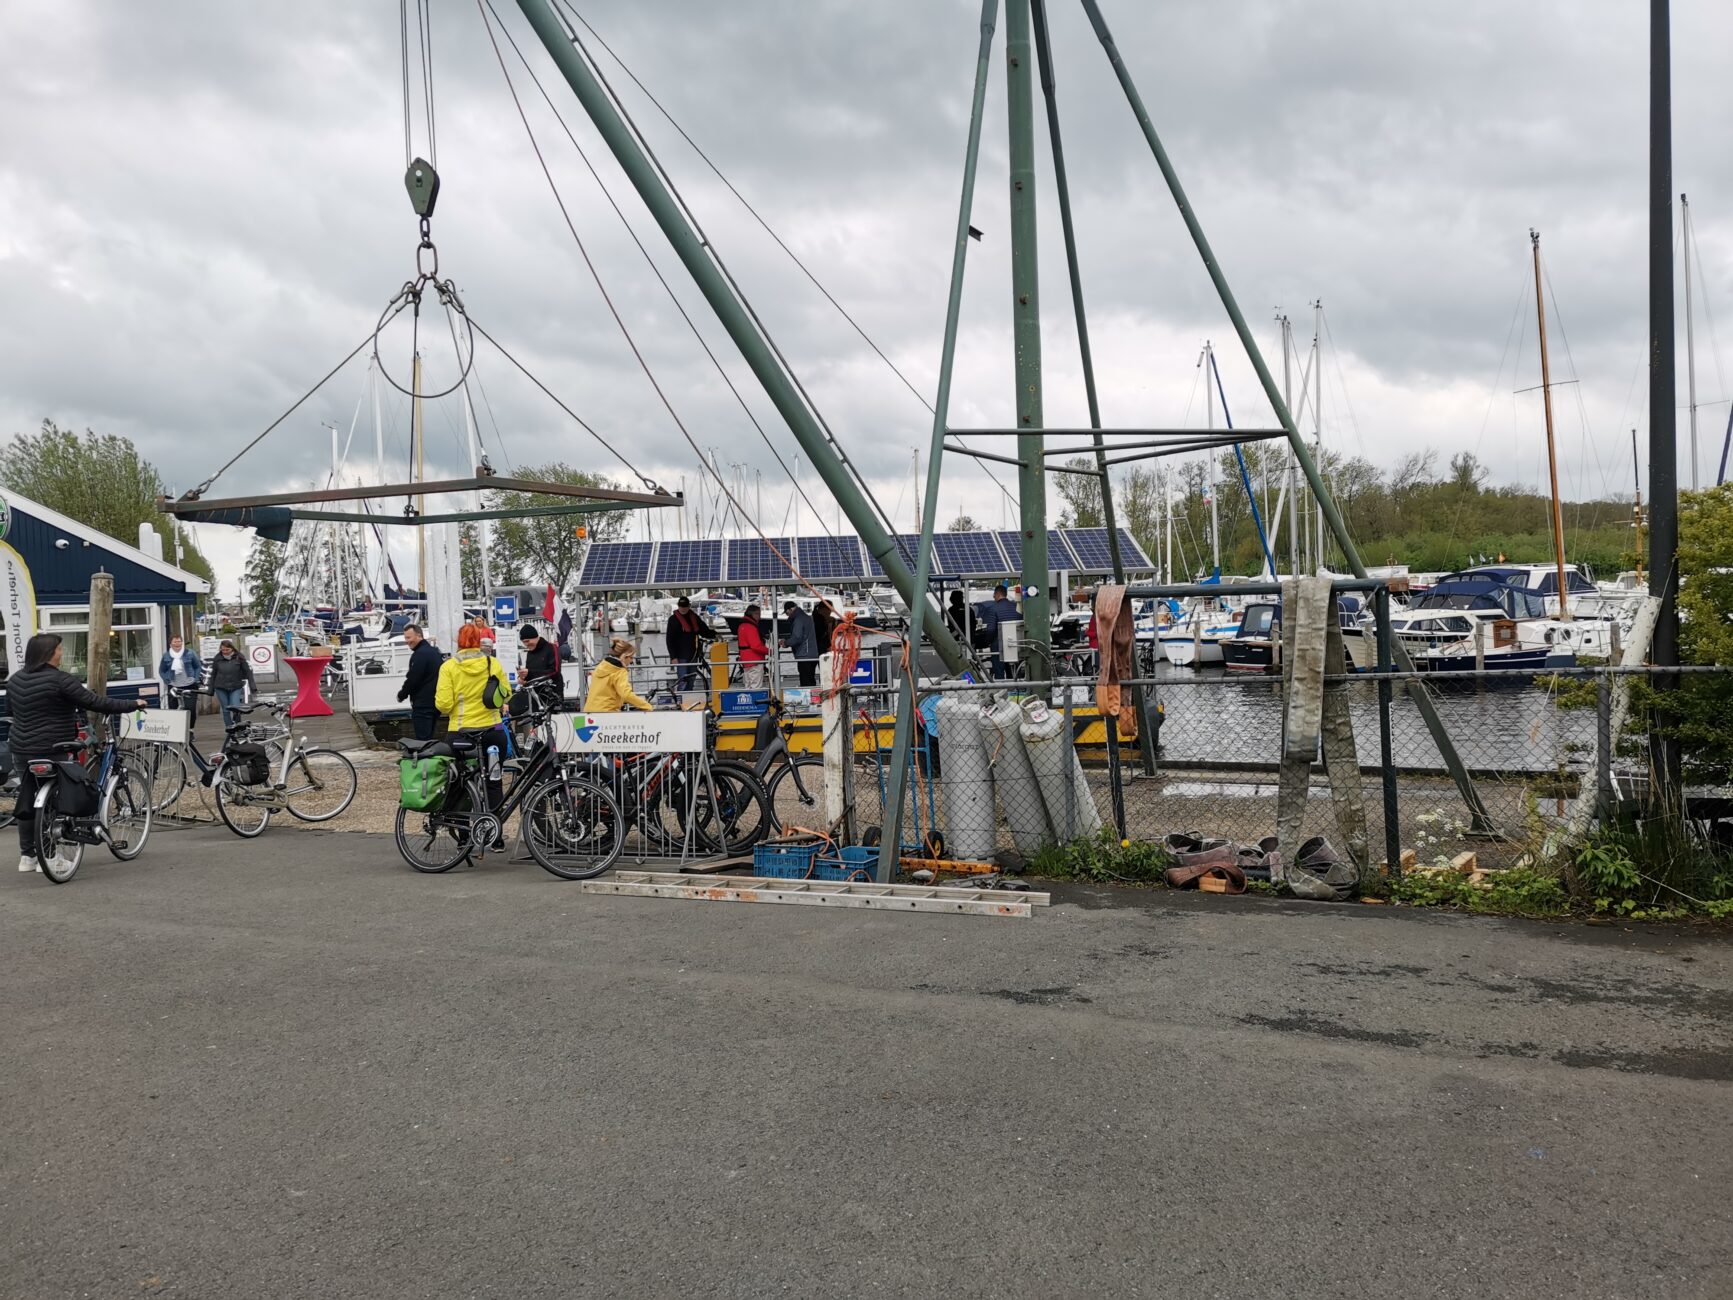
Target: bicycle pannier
247,763
423,782
75,794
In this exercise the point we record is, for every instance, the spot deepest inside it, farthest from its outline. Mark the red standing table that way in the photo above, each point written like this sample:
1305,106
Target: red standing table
308,703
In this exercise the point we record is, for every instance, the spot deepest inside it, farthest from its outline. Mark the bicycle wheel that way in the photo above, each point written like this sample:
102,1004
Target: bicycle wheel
59,857
797,794
730,809
432,842
234,805
163,768
126,813
321,784
573,828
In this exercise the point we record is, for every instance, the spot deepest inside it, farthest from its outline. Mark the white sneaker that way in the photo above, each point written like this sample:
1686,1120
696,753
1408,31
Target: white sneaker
28,862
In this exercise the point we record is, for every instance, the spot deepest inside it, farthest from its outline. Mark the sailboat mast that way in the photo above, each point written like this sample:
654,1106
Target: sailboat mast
1318,414
1558,518
1293,489
1637,510
1690,336
418,436
1215,525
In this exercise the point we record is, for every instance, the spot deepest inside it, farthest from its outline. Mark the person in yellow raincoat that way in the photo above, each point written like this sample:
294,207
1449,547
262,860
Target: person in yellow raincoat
611,684
472,694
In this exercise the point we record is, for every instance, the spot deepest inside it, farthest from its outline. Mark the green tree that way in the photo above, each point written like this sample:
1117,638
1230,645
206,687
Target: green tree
546,548
1699,712
963,524
1080,493
262,578
98,479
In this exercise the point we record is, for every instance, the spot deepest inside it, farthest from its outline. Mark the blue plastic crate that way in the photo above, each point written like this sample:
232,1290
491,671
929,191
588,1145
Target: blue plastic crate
846,864
787,860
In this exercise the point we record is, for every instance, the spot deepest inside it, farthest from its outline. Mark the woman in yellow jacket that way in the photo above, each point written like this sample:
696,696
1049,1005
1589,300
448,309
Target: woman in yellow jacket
472,693
611,685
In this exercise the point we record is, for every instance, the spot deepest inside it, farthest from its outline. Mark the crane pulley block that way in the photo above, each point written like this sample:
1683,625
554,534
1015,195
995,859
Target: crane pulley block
422,182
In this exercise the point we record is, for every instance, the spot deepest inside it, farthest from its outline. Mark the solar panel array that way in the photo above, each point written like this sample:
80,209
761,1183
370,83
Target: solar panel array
825,559
612,566
689,564
908,543
754,559
617,564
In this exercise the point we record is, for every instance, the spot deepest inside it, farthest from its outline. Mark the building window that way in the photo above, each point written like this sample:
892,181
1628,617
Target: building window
131,644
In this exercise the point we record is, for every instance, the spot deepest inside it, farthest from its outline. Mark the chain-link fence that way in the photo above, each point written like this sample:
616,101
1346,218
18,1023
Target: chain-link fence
999,772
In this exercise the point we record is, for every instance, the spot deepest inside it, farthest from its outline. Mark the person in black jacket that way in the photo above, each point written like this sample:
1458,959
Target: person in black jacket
231,680
422,681
541,657
45,702
686,633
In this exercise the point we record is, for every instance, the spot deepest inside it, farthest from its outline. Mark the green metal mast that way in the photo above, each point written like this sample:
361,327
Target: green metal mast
735,318
1026,339
891,843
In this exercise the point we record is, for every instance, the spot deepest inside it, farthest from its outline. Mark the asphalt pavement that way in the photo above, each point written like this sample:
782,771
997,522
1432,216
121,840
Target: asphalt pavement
294,1068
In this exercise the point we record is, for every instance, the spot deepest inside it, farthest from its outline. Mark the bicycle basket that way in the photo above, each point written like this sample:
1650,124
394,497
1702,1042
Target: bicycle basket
247,763
75,794
423,782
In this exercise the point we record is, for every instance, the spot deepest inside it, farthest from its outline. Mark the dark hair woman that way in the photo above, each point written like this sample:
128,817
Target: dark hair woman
823,623
45,703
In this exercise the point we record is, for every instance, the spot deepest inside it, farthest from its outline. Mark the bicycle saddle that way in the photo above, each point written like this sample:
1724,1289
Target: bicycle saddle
248,708
431,748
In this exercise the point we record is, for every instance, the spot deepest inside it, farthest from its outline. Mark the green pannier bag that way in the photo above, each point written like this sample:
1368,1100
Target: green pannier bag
423,782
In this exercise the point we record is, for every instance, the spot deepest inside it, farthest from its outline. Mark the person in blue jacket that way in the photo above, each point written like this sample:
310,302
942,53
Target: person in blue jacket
179,669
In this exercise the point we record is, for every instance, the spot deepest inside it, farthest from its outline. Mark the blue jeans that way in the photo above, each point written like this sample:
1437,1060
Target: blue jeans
228,700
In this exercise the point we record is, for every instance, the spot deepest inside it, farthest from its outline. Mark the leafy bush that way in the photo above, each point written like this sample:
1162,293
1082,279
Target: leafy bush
1103,858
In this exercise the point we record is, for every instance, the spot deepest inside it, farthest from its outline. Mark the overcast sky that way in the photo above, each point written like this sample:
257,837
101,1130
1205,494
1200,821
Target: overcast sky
201,211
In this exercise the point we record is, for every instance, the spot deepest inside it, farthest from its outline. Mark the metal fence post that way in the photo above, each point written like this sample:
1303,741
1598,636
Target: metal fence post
1386,751
1603,745
1070,830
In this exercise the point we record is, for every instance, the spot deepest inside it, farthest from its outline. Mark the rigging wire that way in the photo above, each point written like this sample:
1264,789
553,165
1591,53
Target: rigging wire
654,269
722,268
756,216
1492,400
203,487
403,25
424,24
578,419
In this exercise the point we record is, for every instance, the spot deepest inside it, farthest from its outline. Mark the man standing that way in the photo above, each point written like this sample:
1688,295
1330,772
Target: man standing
687,635
993,618
181,668
541,660
421,683
802,642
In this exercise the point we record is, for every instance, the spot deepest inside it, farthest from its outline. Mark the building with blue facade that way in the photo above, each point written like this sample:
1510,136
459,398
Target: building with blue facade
46,563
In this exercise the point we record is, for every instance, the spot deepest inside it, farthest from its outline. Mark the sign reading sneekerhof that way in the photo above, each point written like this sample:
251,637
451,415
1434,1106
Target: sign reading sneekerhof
628,733
166,725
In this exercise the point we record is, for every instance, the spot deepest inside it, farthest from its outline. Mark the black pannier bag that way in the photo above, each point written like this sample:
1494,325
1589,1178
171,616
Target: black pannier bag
75,794
248,764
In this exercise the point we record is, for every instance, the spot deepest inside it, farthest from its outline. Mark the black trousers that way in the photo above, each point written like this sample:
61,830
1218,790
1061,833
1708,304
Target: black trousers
25,809
423,719
808,669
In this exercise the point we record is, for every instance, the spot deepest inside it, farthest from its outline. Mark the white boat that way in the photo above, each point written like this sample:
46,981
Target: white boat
1196,640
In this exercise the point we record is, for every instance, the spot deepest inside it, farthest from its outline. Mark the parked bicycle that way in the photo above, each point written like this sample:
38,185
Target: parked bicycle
309,782
99,801
171,768
571,823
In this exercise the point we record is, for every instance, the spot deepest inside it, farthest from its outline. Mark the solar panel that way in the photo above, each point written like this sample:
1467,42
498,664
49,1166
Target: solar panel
751,559
689,564
1090,547
969,555
616,564
829,558
1134,555
1058,553
908,543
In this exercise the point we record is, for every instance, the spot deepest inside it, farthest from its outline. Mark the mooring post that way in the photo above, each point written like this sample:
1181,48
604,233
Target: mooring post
101,631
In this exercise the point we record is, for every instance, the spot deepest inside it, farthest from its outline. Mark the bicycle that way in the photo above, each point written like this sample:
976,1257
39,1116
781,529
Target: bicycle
571,824
169,768
122,818
796,787
723,809
313,784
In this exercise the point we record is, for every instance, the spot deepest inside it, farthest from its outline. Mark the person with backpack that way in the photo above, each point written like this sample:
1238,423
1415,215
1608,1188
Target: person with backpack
44,703
471,693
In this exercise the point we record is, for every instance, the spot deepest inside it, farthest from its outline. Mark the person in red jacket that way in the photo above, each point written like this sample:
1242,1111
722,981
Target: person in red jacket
753,651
